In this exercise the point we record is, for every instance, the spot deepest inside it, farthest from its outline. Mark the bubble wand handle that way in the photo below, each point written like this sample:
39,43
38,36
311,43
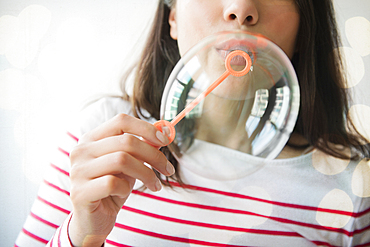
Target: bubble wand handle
229,71
198,99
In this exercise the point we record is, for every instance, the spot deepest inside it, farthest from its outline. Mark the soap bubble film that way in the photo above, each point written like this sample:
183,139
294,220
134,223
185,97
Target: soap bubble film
252,113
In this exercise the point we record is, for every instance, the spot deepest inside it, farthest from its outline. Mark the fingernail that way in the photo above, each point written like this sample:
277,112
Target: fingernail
169,168
158,185
166,131
162,137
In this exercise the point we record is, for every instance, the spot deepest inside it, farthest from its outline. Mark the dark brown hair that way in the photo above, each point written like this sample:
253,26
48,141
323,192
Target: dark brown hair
323,118
160,55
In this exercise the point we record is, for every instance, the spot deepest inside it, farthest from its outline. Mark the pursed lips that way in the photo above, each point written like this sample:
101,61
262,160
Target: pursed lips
225,48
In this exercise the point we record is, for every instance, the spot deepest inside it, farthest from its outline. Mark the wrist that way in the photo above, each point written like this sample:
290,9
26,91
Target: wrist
78,239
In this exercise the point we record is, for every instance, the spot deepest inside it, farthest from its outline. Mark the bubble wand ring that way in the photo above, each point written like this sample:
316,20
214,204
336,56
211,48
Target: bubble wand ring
229,71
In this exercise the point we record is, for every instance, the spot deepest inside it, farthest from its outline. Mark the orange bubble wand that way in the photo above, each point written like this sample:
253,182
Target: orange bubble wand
229,71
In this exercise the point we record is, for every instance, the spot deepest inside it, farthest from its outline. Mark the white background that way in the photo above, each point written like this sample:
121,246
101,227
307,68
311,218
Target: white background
56,55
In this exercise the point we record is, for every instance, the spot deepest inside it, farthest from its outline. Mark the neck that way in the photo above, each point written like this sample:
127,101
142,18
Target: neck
297,145
224,122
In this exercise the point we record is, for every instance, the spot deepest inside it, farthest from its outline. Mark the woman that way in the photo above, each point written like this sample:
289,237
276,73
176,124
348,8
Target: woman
291,201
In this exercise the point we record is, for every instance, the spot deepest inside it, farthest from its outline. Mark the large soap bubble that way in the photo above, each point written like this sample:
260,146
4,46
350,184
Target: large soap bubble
233,89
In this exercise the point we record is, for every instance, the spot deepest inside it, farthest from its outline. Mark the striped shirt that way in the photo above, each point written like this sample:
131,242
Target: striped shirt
231,199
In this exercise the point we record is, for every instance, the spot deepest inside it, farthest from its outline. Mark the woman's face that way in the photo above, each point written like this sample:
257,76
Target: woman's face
193,20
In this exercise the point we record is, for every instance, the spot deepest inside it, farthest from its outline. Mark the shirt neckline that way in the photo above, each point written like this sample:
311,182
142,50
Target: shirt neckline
220,163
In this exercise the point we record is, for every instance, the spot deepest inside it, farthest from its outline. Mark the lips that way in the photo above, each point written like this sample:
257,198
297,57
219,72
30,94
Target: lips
231,45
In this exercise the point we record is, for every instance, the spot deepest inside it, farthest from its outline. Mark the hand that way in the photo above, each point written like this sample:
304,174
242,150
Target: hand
105,164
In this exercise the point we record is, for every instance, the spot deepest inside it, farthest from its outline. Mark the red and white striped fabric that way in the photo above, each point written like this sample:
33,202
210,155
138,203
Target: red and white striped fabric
290,202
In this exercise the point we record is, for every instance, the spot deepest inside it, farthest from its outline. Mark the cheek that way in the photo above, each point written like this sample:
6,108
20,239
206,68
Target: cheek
188,37
194,23
286,30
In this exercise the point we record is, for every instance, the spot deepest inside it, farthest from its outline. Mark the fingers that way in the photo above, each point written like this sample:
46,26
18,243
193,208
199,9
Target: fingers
123,123
103,187
113,150
125,144
116,164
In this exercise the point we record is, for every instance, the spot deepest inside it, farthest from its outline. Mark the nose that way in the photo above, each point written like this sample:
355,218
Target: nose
243,12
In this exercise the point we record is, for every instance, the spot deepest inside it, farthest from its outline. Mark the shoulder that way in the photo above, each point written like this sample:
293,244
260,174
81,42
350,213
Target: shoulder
108,107
99,111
